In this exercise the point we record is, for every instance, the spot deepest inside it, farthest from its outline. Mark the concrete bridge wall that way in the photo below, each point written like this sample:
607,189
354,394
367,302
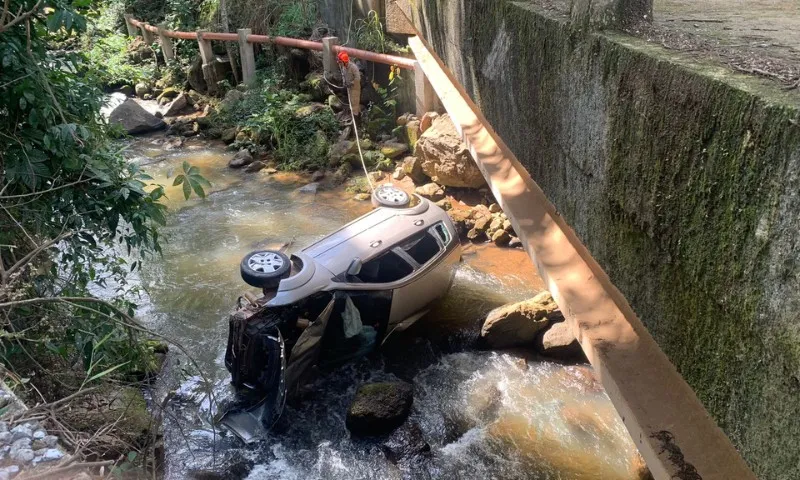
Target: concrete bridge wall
682,179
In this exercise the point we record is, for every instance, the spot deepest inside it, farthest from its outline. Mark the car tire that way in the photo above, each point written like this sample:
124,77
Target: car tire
265,268
390,196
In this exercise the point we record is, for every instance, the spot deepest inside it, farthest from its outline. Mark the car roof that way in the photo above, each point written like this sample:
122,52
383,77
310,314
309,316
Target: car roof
373,234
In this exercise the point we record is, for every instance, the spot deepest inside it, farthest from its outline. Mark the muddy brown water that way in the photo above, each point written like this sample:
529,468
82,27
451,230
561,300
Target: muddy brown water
484,414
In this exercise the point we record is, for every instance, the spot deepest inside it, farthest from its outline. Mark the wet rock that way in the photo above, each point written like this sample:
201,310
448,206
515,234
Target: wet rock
501,238
5,438
339,150
427,120
134,119
233,465
379,408
342,173
445,158
309,188
412,132
557,341
408,441
476,235
362,197
494,226
482,223
308,110
444,204
52,454
176,106
3,427
228,135
127,90
21,443
270,170
399,173
50,441
430,191
168,94
461,219
21,455
254,167
517,324
241,159
376,177
394,149
514,242
10,471
173,143
318,176
21,431
413,168
142,89
494,208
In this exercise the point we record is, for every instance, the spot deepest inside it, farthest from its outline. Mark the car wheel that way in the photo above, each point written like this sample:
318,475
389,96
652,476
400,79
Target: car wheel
265,268
390,196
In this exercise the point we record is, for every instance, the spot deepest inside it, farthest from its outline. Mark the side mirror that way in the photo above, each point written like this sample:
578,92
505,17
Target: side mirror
355,267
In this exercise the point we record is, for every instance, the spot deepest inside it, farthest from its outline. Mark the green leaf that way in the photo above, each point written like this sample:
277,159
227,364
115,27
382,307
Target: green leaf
187,190
23,104
178,180
107,371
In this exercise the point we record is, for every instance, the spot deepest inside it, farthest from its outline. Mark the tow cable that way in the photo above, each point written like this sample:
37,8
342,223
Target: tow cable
355,127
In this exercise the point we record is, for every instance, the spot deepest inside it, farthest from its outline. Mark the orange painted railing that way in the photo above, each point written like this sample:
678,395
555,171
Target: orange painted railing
402,62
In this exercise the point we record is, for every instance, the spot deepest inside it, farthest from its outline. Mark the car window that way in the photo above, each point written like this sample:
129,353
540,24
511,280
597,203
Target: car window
389,267
422,247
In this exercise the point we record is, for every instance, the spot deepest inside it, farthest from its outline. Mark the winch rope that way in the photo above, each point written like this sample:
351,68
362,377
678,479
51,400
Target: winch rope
355,127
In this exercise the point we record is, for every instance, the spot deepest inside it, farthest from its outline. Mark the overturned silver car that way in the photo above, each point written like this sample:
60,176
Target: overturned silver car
334,301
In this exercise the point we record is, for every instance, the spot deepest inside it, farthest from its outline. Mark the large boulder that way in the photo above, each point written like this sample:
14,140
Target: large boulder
176,106
445,158
557,341
379,408
134,119
517,324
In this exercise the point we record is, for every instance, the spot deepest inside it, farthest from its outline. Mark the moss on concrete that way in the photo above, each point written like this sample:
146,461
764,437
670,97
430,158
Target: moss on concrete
680,177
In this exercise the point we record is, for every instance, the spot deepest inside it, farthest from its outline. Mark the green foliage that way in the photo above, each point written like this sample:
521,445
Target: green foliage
110,63
70,201
279,119
381,117
369,35
191,181
291,18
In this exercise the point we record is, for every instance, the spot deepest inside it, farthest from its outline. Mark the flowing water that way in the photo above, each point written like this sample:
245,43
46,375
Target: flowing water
484,414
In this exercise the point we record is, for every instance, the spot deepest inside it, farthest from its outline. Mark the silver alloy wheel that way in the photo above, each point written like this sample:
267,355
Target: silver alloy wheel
391,196
265,262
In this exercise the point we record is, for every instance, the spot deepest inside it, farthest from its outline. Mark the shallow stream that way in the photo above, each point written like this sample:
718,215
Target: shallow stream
484,414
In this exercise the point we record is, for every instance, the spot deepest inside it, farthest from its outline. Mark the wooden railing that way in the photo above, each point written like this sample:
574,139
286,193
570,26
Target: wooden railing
329,47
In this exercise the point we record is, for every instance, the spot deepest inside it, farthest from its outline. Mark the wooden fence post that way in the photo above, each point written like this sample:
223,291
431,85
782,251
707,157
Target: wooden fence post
247,57
423,91
329,63
132,31
146,34
166,43
207,55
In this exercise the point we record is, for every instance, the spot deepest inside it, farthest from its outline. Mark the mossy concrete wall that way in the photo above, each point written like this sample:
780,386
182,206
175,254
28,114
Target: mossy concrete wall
682,179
